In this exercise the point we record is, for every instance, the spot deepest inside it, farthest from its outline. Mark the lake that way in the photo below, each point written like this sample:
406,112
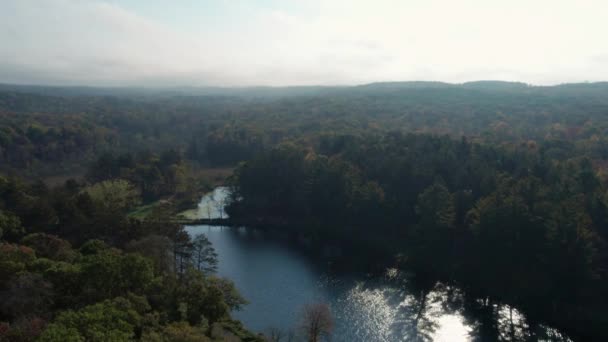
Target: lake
279,278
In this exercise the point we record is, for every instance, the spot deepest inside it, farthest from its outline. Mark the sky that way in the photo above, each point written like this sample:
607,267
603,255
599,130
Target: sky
307,42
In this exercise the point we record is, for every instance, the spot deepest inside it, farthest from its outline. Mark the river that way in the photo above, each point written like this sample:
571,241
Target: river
278,279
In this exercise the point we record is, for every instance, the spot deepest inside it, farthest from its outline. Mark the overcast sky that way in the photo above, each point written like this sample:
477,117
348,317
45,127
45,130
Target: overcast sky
267,42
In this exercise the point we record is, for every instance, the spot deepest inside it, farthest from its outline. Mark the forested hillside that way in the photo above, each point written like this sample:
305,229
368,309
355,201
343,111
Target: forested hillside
46,131
497,188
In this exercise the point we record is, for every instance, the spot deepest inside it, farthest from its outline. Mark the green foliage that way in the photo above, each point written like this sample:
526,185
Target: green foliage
112,320
49,246
436,207
152,175
142,211
25,329
181,332
27,295
10,226
113,196
235,328
65,279
93,247
508,236
59,133
61,333
432,237
201,299
231,296
109,274
505,223
127,280
157,249
160,222
516,211
286,182
204,257
13,259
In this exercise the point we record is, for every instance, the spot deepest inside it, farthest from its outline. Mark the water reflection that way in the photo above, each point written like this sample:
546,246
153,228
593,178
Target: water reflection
279,278
211,205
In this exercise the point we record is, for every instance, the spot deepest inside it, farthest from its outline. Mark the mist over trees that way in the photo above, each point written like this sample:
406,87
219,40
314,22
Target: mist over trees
49,132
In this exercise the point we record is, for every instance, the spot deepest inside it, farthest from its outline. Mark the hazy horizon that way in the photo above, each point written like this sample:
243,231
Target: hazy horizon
253,86
136,43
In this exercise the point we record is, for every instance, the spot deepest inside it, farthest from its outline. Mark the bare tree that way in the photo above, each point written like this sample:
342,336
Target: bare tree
317,321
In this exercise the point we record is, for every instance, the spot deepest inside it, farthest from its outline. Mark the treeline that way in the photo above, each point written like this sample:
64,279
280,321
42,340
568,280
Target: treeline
509,225
74,266
155,176
46,135
44,132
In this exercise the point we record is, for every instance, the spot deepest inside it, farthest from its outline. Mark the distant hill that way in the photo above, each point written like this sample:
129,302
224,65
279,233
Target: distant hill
407,85
291,91
496,85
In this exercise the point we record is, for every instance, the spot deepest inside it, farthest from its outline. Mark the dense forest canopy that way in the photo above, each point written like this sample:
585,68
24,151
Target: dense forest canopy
499,188
509,225
58,128
75,265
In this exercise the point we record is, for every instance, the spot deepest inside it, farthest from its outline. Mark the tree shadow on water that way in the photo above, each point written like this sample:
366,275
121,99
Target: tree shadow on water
492,321
416,318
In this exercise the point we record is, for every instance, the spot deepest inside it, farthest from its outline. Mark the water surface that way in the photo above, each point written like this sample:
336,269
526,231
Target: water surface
279,278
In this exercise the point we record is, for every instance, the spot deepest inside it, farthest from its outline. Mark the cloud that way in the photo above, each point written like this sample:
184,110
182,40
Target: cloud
69,41
316,42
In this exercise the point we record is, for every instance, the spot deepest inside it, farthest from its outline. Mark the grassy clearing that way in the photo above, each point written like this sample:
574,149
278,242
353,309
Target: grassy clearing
142,211
209,178
189,214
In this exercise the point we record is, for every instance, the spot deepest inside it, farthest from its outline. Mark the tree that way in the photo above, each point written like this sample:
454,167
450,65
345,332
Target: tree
10,226
28,294
433,236
39,215
204,256
109,274
508,236
183,332
57,332
23,329
435,207
111,320
160,222
94,246
49,246
110,201
197,298
572,249
316,321
232,297
156,248
66,280
13,260
113,195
